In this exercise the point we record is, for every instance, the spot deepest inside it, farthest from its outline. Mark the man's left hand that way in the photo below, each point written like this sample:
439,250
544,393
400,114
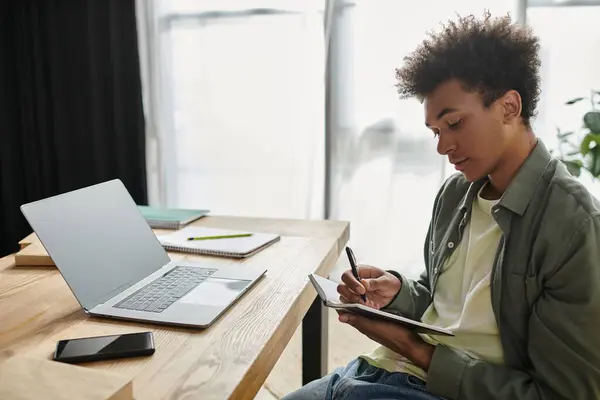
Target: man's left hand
394,337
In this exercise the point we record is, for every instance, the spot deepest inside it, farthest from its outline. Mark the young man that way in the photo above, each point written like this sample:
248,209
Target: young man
512,254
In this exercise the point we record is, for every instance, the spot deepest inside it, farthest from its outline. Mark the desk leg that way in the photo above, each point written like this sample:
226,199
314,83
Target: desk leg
314,342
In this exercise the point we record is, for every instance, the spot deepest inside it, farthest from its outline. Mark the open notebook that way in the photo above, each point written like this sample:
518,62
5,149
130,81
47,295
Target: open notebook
238,247
327,291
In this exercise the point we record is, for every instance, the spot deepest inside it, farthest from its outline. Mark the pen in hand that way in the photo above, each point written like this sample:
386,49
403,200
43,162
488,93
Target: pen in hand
354,268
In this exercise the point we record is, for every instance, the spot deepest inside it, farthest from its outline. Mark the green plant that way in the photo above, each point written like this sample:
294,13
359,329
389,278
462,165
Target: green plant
581,149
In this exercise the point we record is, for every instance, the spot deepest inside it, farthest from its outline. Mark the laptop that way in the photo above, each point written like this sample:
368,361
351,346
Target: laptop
116,267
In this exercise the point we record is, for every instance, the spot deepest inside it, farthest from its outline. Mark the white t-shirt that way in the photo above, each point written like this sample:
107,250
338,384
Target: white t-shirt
462,300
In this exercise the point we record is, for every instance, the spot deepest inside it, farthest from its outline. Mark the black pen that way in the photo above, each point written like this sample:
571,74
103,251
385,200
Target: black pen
352,260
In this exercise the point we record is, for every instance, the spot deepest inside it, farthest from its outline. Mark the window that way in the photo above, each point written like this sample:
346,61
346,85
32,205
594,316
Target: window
386,171
570,68
243,98
243,109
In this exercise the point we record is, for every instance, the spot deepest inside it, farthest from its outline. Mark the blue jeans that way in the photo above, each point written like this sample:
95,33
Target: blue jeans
359,380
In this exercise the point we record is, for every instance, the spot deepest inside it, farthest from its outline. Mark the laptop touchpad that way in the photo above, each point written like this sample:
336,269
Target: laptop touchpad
215,292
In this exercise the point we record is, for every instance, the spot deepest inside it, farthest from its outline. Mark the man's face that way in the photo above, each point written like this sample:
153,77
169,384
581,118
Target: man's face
472,136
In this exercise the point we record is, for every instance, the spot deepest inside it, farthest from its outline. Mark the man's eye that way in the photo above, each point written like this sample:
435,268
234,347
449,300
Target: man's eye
436,133
454,125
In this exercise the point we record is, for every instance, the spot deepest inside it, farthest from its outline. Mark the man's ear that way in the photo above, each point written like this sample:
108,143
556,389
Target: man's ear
511,106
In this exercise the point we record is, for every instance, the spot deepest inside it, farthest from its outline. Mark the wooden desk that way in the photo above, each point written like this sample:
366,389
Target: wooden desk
232,358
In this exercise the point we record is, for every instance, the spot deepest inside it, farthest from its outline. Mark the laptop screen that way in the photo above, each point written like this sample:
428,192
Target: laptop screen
98,239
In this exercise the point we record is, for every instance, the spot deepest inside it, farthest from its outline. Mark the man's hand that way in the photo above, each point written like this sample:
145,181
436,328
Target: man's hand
394,337
379,286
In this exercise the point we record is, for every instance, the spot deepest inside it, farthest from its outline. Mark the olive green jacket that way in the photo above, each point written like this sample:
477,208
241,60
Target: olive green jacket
545,287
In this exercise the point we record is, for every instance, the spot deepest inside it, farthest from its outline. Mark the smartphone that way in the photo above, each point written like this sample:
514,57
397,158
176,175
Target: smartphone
104,347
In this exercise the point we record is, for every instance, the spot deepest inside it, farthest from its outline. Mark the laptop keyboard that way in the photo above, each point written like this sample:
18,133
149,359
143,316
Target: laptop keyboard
166,290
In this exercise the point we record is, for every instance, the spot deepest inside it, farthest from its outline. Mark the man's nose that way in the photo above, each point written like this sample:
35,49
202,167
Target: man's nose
445,144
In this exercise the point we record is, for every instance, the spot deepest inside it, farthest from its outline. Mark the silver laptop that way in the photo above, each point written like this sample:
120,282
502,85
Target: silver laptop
116,267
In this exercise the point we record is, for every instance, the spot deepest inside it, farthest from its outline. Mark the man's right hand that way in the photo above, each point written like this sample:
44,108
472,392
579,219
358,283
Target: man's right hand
379,286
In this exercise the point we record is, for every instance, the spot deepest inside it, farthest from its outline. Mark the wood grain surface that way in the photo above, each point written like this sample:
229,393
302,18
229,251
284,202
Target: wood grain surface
231,359
29,378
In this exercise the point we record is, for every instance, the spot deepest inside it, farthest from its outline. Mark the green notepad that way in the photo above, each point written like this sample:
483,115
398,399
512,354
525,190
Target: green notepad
170,218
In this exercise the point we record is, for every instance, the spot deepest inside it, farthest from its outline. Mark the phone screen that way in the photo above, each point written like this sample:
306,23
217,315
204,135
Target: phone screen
105,347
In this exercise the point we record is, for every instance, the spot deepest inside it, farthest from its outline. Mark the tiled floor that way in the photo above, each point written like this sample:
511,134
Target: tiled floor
265,394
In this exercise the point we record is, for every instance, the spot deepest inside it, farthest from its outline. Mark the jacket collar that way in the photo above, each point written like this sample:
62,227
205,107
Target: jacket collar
518,195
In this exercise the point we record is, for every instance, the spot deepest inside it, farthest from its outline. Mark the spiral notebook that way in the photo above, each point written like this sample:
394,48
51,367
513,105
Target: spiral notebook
236,247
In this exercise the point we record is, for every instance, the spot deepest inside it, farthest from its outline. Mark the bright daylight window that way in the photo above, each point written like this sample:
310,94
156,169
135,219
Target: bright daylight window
571,69
244,109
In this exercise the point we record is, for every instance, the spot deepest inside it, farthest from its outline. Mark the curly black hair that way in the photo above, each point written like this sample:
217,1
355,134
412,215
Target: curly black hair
490,56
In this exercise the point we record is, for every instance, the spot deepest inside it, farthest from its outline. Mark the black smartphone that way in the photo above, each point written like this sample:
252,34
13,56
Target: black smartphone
104,347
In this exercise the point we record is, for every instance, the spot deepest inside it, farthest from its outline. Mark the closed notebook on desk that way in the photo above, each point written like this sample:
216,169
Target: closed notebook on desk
34,255
170,218
236,247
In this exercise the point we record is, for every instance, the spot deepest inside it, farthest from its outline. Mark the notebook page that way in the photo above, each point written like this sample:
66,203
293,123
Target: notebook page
329,288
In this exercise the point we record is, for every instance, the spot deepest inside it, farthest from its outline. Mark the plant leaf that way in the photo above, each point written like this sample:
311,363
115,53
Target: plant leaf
564,134
588,140
592,121
594,168
575,100
574,167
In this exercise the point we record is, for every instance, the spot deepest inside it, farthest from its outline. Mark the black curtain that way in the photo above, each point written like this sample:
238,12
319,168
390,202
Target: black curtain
71,110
